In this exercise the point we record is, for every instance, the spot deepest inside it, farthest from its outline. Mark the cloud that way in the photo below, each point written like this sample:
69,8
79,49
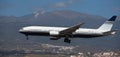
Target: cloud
38,11
54,6
116,9
72,1
61,4
64,4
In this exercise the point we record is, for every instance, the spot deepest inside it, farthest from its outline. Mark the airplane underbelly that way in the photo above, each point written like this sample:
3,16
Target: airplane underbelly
87,35
35,33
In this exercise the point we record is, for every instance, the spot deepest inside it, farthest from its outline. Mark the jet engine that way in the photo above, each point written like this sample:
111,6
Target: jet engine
54,33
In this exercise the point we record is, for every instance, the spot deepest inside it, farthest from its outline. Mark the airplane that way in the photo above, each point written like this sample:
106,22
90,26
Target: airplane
70,32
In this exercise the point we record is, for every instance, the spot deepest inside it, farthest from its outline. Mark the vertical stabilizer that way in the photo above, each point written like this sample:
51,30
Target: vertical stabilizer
107,26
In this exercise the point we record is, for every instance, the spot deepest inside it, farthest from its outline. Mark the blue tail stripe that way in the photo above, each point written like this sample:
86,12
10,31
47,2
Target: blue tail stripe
112,18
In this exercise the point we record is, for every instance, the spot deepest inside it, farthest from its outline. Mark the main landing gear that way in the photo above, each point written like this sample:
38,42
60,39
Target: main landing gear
67,40
27,37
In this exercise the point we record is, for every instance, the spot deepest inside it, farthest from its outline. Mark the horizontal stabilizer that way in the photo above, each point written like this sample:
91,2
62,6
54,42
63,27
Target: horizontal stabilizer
110,32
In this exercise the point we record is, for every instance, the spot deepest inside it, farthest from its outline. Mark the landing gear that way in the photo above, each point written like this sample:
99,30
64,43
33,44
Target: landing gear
27,37
67,40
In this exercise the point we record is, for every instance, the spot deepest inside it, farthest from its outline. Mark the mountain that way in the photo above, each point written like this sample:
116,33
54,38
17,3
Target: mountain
9,26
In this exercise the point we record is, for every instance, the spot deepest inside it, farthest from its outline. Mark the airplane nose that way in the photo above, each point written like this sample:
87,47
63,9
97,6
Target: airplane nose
21,31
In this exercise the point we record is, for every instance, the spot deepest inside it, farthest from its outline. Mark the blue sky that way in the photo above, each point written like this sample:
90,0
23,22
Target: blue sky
105,8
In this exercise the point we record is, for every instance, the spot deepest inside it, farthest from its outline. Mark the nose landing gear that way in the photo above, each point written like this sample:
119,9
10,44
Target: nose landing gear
27,37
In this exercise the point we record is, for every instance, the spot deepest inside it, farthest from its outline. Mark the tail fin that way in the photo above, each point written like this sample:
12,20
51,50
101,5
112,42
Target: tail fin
107,26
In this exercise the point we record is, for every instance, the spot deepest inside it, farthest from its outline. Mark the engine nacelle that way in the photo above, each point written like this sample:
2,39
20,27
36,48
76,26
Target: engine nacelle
54,38
54,33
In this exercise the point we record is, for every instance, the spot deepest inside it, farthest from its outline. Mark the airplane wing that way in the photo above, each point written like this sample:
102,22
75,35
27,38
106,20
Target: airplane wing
70,30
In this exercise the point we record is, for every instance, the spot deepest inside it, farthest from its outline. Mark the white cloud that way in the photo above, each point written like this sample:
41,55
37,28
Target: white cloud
61,4
54,6
64,4
38,11
117,9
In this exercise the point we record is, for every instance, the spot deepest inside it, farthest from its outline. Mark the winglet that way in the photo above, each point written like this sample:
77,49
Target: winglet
112,18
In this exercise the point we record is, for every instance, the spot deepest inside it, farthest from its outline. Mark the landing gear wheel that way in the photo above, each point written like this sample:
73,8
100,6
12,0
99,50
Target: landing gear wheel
67,40
27,37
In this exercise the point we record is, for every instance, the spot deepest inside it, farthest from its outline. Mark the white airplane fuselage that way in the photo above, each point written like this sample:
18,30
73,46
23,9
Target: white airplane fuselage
45,31
70,32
